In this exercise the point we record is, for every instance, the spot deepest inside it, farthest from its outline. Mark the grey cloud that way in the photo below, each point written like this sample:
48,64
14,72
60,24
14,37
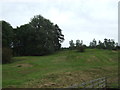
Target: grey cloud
79,19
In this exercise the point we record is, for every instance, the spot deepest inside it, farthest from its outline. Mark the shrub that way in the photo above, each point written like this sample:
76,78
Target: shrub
81,49
6,55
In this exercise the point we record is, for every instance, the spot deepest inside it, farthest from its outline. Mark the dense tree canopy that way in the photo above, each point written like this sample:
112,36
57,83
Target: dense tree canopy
7,39
7,34
38,37
23,38
77,46
107,44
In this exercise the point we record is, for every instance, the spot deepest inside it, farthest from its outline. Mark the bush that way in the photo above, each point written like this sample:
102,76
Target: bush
6,55
81,49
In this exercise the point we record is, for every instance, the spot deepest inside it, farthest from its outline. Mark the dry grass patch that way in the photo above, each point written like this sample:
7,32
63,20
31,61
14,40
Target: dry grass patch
60,80
59,59
92,58
23,65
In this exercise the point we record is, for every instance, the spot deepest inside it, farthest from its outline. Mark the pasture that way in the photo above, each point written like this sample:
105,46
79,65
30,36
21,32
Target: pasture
61,69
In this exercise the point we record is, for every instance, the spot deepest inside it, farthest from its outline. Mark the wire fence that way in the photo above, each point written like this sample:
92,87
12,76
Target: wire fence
96,83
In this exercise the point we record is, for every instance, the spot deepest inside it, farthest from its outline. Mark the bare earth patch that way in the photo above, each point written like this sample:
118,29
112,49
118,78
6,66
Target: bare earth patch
114,51
23,65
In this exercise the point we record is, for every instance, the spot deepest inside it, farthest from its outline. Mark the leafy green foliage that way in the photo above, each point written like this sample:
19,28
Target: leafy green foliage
107,44
7,34
81,49
77,46
6,55
7,38
39,37
93,44
72,45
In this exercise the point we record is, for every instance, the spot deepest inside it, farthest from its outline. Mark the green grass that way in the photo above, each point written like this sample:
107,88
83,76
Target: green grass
61,69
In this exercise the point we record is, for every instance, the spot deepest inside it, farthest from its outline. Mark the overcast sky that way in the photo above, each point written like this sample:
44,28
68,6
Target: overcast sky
78,19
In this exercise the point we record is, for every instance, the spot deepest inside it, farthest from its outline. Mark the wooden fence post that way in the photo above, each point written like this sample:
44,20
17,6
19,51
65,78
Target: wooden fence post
105,82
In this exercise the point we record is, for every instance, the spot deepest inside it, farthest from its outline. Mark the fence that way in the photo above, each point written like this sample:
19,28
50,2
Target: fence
96,83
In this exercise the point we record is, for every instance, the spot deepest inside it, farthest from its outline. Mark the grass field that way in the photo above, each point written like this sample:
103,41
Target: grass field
61,69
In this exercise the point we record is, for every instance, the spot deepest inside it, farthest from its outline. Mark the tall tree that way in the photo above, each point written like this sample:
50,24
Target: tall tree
105,43
7,39
100,44
23,40
58,37
93,44
77,43
38,37
7,34
79,46
72,45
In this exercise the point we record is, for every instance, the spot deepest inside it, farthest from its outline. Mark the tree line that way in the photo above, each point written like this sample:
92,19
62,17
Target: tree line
106,44
79,46
109,44
38,37
41,37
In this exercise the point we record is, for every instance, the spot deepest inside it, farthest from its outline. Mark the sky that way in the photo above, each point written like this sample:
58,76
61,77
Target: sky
78,19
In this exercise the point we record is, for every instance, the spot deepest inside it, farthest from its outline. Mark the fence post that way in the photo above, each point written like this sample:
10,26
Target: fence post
105,82
98,84
92,84
84,85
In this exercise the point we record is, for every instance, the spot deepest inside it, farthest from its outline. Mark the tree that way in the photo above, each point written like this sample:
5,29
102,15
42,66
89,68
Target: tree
47,33
117,46
6,55
77,43
105,43
23,40
7,39
112,44
109,44
58,37
38,37
72,45
7,34
93,44
79,46
100,45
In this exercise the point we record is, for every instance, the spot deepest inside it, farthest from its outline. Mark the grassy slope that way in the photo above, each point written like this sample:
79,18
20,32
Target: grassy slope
61,69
